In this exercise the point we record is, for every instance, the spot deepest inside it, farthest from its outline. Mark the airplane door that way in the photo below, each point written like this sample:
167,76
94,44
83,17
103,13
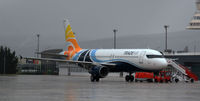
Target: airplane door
141,57
112,56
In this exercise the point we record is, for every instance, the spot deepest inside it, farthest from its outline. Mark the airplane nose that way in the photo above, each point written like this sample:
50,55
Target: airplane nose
163,63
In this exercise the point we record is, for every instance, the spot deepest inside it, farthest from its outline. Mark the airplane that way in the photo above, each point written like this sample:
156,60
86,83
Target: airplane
100,62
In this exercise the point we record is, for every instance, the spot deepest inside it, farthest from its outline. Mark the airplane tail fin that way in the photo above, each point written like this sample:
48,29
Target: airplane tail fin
70,37
72,44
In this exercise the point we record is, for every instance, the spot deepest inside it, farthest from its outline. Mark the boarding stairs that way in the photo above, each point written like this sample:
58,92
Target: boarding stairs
183,73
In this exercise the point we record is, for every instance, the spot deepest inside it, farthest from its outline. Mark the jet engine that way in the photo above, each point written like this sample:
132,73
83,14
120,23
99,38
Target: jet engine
99,71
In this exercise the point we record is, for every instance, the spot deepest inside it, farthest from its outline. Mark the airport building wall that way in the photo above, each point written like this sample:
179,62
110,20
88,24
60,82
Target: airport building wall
70,69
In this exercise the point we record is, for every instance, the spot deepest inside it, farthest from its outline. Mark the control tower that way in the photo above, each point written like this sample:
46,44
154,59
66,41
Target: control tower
195,22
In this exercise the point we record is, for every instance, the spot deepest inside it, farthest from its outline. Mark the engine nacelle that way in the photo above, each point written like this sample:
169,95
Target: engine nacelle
99,71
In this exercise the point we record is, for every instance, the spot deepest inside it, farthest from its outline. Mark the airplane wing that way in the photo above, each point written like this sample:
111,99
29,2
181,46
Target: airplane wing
85,64
53,54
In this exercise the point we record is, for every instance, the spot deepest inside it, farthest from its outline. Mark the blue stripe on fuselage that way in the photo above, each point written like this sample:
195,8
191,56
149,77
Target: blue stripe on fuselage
94,59
77,55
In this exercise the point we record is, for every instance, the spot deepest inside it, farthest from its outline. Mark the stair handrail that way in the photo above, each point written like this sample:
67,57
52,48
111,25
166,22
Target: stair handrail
177,66
182,68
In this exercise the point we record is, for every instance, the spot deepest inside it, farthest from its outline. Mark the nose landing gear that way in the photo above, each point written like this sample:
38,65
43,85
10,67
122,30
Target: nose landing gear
129,78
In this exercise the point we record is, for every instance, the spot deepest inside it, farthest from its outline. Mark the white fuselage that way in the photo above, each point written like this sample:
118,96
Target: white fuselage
135,56
146,59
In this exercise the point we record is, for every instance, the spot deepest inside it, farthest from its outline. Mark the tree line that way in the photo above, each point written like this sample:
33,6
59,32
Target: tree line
8,61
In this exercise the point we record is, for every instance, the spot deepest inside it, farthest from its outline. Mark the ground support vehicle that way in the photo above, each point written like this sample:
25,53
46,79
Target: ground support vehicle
163,76
144,76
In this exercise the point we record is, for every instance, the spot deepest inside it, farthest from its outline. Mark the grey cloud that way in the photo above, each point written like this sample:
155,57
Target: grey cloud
90,19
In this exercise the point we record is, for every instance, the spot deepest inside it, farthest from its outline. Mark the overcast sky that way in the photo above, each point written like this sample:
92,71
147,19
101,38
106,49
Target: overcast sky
21,20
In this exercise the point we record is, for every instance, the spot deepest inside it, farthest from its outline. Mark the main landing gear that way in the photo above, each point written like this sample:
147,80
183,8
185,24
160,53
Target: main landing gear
94,78
129,78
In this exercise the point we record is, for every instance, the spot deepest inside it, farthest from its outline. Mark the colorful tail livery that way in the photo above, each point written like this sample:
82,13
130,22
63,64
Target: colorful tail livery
72,44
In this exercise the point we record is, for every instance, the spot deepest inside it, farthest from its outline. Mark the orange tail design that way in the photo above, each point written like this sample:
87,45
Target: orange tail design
72,44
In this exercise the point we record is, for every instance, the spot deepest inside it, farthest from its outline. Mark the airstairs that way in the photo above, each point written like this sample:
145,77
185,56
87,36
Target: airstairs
181,72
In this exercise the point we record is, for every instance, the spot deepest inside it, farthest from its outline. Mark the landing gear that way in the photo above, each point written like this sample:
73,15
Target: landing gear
94,78
129,78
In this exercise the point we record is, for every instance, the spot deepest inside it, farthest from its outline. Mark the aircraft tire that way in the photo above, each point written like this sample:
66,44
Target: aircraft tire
97,79
127,78
131,78
92,78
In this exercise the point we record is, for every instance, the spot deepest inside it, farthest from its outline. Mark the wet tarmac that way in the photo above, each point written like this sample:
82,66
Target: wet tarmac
77,88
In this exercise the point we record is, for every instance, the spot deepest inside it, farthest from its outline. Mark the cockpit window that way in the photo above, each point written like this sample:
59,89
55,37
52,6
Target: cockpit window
155,56
161,53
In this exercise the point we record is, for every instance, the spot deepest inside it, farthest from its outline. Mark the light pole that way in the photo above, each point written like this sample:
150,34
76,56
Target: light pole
38,36
166,27
115,30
